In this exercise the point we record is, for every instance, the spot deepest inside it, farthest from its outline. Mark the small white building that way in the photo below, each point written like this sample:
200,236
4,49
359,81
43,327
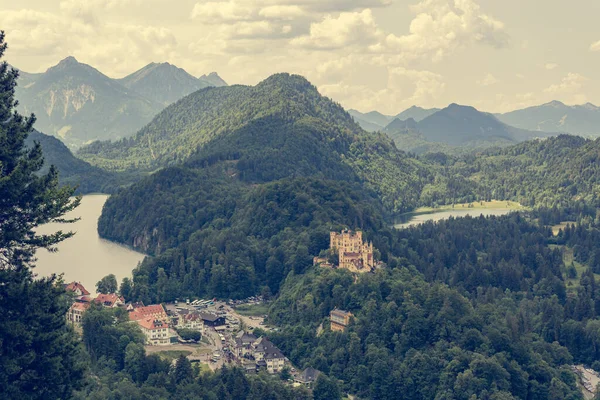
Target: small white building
157,332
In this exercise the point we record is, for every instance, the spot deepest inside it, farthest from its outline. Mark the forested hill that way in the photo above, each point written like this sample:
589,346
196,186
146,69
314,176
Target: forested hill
550,172
258,198
72,170
175,133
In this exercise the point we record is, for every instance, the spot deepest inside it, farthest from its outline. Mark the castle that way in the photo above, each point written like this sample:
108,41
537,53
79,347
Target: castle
354,255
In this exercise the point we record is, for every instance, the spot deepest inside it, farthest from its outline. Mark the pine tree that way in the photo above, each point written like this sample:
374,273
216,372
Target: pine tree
40,357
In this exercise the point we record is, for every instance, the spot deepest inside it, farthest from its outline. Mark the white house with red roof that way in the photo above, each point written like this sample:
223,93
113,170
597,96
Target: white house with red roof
110,300
75,313
157,332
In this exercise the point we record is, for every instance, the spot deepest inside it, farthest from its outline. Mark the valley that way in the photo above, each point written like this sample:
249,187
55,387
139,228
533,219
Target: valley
265,241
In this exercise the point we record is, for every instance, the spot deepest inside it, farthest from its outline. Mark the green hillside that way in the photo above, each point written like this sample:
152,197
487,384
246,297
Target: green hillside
72,170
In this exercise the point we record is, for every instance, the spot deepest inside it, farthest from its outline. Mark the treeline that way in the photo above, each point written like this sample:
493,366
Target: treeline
410,339
550,172
468,307
232,241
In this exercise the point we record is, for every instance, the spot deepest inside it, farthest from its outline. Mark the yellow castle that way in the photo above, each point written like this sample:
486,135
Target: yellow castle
354,255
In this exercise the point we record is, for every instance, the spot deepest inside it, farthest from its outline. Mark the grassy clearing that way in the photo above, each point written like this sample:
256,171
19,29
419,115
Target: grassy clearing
480,205
252,310
204,368
573,284
560,226
171,355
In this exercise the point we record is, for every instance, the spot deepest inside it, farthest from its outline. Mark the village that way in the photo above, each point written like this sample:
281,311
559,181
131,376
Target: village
213,332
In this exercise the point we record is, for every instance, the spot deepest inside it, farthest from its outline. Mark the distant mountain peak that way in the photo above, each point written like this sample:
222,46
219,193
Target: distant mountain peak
590,106
555,103
67,62
213,79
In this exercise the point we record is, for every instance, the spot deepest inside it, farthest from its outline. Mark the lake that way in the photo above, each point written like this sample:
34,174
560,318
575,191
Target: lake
412,220
86,257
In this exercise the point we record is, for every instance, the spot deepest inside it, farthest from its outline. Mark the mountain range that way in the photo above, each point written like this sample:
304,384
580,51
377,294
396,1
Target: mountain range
375,121
79,104
456,126
552,117
582,120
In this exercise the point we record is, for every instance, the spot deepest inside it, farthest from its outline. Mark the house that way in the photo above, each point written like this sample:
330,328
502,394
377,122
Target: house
308,377
82,295
157,332
154,312
110,300
212,320
243,344
339,319
267,355
133,306
77,288
192,321
75,313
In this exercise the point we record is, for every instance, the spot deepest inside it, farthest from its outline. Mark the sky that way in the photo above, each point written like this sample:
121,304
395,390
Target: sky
385,55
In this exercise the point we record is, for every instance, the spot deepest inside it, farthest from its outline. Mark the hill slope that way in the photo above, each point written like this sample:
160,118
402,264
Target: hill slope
555,116
72,171
79,104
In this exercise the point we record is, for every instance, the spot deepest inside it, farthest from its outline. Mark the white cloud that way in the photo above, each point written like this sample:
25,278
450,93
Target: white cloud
442,26
283,12
348,29
215,12
571,83
551,66
595,46
488,80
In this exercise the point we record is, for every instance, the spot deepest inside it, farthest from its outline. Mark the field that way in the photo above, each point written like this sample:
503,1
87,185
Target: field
480,205
252,310
173,354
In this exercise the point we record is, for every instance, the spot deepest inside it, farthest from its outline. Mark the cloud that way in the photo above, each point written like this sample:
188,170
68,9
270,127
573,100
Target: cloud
595,46
488,80
282,12
348,29
215,12
571,83
550,66
442,26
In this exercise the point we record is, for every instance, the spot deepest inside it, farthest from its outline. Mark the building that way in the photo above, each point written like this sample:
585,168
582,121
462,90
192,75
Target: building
353,254
267,355
75,313
308,377
339,319
157,332
81,294
192,321
77,288
243,344
110,300
212,320
154,312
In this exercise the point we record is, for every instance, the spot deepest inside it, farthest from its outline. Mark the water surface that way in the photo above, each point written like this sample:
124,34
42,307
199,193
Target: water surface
86,257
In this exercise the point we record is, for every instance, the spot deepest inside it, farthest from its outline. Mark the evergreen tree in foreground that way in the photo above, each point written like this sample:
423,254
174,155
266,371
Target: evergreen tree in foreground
39,355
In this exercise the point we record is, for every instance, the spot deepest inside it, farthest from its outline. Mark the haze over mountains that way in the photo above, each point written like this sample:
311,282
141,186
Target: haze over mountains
79,104
554,117
583,120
